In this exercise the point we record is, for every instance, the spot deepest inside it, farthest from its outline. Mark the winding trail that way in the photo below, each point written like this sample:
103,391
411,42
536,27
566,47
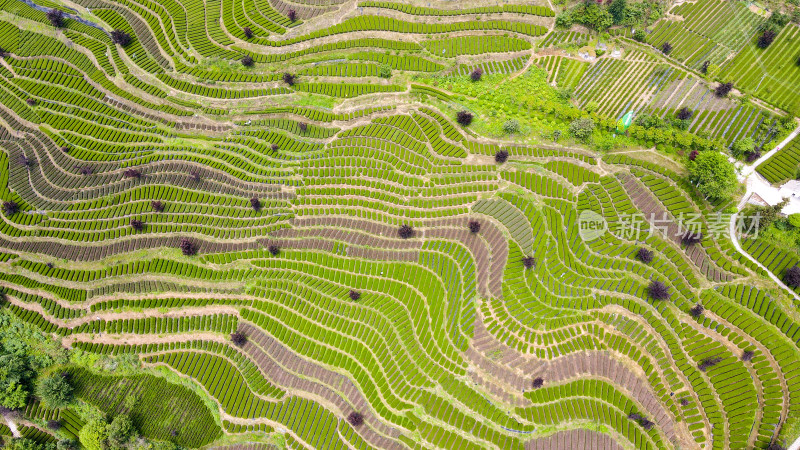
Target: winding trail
747,170
13,427
746,173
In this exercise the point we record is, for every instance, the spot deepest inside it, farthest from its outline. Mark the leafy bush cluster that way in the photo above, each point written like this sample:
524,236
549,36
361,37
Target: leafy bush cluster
99,434
599,17
582,128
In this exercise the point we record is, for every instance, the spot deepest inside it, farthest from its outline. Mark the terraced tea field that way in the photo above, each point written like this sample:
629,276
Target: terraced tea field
270,224
706,30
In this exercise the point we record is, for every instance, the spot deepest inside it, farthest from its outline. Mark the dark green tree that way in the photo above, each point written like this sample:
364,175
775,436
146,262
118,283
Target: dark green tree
618,10
55,391
713,174
121,430
15,374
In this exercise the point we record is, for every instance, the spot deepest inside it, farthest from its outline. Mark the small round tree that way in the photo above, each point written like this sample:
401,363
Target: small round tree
85,170
31,102
709,362
354,295
474,226
289,79
476,74
274,147
693,155
248,33
511,126
121,38
766,39
274,250
355,419
529,262
501,156
120,431
658,290
188,247
54,425
747,355
684,113
255,203
56,17
405,231
303,127
713,175
55,391
538,382
792,277
65,149
697,310
10,208
723,89
464,118
704,67
195,175
292,15
684,402
582,128
753,156
689,238
644,255
137,224
238,338
248,61
157,206
94,435
132,173
666,48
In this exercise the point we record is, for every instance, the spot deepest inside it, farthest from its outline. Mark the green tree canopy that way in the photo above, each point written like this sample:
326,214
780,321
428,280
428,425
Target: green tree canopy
94,435
794,220
55,390
121,430
581,128
742,146
618,10
14,396
14,377
28,444
594,16
713,174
